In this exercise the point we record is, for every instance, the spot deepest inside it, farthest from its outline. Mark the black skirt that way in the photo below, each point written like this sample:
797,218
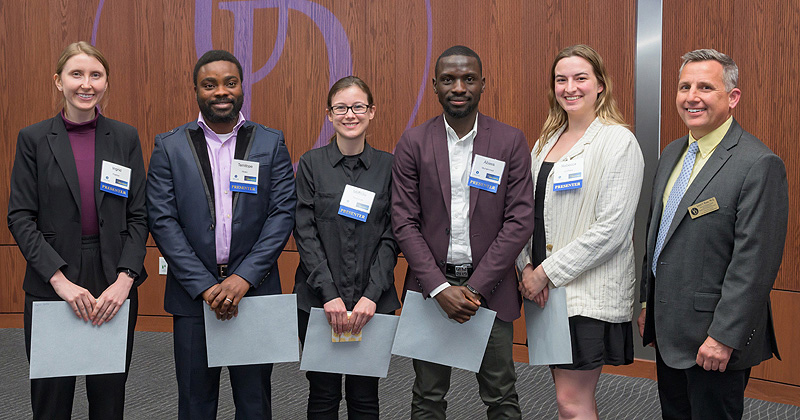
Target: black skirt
596,343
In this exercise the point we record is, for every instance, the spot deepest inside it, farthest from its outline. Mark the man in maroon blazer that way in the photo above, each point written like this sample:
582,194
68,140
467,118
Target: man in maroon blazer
460,237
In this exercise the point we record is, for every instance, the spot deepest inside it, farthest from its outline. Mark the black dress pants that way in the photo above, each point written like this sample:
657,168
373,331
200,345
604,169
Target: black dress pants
51,398
696,393
325,390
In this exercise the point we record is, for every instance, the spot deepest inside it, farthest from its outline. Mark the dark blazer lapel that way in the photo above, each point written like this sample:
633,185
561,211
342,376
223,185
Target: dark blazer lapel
715,162
197,144
62,151
437,136
244,142
103,150
480,146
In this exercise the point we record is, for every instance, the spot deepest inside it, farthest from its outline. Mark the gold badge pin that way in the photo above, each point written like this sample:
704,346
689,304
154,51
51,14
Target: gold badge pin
704,207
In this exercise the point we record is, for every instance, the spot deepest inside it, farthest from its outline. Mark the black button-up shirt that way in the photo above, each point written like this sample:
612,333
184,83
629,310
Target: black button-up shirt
340,256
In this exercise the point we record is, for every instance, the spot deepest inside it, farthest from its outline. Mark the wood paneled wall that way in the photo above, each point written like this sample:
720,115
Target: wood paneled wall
762,38
152,47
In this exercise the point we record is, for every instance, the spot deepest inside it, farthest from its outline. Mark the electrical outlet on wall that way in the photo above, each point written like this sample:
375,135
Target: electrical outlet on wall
162,266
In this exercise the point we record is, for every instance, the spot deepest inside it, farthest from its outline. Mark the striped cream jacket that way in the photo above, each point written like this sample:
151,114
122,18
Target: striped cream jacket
589,231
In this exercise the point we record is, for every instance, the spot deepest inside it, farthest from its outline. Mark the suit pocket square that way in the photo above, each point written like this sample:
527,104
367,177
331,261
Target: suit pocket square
706,302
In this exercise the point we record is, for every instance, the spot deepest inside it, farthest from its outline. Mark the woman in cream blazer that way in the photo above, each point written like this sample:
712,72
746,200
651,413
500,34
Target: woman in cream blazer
587,169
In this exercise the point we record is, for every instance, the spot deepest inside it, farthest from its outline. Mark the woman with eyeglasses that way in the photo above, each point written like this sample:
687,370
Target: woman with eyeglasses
344,236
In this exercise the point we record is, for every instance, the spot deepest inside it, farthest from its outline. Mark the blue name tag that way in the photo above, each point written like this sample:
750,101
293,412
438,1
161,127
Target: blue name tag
245,188
122,192
573,185
482,184
353,213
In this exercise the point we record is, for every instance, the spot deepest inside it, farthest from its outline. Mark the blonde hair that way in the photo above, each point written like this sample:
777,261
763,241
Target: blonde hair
605,107
76,48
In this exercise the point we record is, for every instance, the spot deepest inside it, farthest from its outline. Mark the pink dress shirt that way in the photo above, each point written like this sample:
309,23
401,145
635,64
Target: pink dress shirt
220,154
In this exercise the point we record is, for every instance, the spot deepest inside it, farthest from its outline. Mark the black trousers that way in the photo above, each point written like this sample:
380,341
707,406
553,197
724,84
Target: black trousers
198,384
325,390
51,398
696,393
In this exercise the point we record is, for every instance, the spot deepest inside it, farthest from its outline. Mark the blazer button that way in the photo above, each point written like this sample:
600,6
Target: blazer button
441,263
101,222
447,231
549,247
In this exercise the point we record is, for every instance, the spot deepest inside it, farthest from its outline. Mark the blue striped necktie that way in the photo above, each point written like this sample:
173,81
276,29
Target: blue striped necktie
674,199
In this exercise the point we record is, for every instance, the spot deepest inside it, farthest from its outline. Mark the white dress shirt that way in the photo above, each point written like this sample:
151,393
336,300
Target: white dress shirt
459,151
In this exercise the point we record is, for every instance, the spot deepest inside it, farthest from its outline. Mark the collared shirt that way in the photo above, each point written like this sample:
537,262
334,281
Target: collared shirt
706,146
459,151
220,154
340,256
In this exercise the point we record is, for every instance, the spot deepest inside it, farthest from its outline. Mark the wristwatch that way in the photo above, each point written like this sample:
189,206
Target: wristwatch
472,289
132,274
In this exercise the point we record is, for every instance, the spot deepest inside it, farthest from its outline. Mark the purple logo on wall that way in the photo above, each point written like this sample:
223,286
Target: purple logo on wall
340,60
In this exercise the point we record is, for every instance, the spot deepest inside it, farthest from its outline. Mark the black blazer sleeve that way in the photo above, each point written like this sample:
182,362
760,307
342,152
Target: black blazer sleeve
133,246
23,207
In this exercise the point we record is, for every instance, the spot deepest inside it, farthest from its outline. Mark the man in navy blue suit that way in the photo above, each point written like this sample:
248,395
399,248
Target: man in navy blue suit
221,202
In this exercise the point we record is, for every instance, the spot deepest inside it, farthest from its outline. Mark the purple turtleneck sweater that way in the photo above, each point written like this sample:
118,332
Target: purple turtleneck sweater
81,138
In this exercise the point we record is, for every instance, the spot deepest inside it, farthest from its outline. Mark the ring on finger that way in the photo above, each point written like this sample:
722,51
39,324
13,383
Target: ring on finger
227,299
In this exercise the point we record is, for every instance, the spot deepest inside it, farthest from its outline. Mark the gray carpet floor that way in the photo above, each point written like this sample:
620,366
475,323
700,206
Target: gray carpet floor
152,390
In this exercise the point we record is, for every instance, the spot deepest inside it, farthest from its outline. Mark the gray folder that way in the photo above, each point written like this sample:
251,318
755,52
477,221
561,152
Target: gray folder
426,333
64,345
368,357
265,331
548,330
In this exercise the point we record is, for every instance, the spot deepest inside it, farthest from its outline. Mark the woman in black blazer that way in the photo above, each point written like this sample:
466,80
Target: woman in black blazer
82,244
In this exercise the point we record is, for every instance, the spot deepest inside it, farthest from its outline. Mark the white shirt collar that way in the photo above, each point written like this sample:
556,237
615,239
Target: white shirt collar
451,134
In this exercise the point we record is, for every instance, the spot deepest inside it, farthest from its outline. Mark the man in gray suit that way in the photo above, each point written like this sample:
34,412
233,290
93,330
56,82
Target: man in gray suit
715,240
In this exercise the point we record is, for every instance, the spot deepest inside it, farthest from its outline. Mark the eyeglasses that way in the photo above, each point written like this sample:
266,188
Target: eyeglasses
357,109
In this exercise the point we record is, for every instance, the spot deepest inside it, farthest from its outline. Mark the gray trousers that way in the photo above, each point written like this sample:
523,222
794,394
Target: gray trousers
496,378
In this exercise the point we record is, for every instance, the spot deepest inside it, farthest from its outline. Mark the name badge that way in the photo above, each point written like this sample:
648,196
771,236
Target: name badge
356,203
704,207
568,175
244,176
486,173
115,179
